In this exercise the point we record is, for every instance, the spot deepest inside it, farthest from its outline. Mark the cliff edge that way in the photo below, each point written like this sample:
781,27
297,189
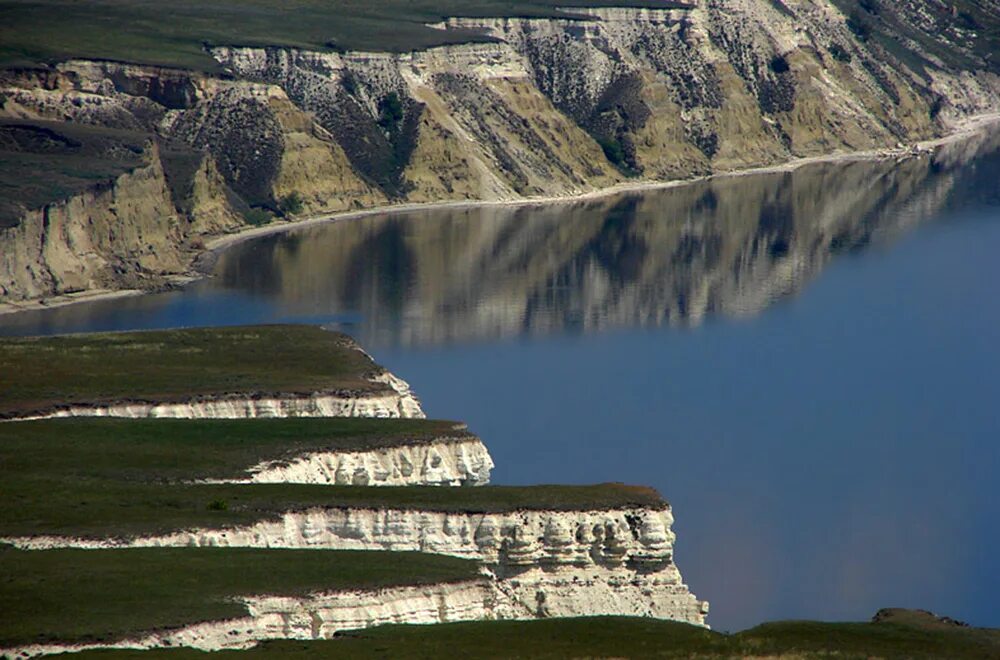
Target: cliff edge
534,106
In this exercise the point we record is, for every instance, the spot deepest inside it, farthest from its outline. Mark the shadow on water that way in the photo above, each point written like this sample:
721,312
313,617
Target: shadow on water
829,457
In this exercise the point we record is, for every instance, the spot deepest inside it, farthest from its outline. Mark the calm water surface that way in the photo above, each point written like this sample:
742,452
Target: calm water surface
806,365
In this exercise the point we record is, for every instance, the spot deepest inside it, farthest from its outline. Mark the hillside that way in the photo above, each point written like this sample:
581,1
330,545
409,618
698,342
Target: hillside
190,120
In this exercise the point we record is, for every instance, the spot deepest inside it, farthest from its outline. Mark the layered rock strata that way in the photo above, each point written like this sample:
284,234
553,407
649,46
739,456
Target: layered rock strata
114,236
398,402
553,107
549,563
461,461
238,407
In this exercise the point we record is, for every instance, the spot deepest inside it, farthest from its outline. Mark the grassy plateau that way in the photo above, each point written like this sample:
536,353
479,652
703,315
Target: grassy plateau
159,450
101,595
176,33
99,509
903,637
43,373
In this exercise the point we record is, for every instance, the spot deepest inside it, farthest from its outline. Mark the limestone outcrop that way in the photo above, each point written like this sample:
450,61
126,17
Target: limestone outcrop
398,401
239,407
547,551
546,562
553,107
460,461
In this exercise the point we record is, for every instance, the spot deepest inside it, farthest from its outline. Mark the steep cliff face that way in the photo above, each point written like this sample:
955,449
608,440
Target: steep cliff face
444,124
728,246
241,407
727,84
461,461
547,563
553,107
397,400
122,234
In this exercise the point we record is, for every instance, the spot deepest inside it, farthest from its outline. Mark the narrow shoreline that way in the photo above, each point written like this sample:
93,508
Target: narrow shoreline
201,264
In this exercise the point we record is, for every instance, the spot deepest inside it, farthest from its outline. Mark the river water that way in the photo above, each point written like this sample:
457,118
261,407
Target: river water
805,364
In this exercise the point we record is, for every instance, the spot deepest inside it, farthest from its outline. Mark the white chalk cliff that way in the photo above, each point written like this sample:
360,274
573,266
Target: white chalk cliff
549,563
461,461
396,401
536,562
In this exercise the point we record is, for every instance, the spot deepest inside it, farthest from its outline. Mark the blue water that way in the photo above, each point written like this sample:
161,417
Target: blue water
832,456
805,365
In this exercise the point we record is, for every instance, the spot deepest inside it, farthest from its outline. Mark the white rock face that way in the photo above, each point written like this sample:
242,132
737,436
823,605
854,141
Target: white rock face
321,616
460,461
399,402
572,563
316,405
408,405
318,616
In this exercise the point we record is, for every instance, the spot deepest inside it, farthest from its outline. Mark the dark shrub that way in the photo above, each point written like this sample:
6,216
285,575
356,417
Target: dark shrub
840,53
291,204
870,6
258,217
349,83
859,26
390,111
613,150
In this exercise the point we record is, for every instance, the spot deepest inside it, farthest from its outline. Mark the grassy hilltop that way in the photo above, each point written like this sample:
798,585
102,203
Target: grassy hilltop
44,373
175,33
120,478
138,482
100,595
902,635
117,478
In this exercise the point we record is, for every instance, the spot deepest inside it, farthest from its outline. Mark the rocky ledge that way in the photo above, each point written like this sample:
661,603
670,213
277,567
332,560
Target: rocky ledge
542,551
549,563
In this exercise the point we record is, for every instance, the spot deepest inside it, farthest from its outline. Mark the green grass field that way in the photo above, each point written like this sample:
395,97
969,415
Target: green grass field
100,595
121,478
157,450
175,33
96,509
171,365
617,637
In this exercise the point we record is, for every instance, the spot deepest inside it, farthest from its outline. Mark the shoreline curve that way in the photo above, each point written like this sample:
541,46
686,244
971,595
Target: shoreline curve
202,263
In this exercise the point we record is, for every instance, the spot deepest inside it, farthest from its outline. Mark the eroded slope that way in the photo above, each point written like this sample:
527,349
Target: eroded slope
549,104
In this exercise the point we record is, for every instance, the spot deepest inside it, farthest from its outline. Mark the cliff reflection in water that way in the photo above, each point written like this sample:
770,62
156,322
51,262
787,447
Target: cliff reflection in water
728,246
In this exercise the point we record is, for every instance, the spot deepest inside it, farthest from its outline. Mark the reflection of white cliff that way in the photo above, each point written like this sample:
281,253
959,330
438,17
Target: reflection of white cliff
728,246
